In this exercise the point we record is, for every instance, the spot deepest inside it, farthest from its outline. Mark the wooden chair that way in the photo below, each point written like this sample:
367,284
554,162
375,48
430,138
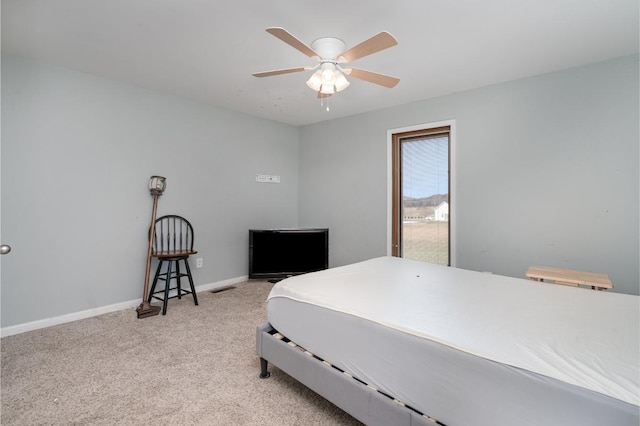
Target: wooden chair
172,243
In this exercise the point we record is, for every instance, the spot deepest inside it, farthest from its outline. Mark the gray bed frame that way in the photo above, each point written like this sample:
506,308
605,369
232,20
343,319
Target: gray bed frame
545,400
356,398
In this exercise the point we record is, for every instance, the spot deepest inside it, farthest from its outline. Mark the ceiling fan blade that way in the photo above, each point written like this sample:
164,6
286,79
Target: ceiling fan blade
323,95
278,72
372,77
285,36
378,42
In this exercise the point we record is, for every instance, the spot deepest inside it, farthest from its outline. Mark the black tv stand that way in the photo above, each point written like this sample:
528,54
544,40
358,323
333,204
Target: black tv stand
275,280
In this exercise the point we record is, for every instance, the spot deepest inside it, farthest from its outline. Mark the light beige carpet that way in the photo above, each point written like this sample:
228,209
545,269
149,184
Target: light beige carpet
195,366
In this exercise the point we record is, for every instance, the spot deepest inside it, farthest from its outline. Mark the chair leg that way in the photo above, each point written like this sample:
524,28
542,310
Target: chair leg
166,289
155,281
193,288
178,279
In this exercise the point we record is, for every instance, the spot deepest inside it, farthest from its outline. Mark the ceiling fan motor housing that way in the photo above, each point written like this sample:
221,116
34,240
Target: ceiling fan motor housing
329,48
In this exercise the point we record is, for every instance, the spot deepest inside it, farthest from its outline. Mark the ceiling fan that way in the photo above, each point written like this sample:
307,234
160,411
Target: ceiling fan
330,52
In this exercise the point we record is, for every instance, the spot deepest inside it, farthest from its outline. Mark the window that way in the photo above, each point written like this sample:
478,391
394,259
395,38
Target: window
421,225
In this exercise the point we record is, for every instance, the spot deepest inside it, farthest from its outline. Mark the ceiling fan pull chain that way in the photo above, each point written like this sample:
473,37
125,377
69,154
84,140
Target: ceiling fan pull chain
324,102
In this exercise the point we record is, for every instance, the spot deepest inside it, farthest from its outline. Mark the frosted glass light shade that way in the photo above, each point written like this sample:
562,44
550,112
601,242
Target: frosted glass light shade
315,81
328,77
341,82
327,89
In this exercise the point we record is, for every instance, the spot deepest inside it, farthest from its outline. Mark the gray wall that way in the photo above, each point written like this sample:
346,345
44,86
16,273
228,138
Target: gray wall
77,154
546,171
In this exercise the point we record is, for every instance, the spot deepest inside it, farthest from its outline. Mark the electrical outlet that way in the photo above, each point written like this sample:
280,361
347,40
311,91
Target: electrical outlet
199,262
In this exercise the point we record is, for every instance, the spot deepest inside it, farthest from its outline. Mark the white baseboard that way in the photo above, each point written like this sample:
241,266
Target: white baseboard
48,322
220,284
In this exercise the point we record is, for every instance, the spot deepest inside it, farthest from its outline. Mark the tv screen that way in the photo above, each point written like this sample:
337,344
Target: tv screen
280,253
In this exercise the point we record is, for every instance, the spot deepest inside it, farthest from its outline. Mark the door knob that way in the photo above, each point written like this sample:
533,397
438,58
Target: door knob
4,249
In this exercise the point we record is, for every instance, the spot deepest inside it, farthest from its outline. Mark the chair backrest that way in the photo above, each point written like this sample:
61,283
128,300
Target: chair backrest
173,234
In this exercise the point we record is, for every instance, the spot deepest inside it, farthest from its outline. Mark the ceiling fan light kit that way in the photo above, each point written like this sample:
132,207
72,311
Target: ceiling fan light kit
331,78
328,80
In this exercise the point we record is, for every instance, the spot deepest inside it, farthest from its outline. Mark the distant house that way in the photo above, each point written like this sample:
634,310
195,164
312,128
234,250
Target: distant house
442,212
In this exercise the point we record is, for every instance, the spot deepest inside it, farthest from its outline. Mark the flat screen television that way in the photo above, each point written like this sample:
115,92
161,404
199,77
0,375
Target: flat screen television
281,253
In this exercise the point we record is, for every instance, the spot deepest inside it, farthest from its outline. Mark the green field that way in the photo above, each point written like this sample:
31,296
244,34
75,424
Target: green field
426,241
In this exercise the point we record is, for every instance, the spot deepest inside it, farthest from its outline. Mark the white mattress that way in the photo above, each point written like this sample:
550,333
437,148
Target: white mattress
584,338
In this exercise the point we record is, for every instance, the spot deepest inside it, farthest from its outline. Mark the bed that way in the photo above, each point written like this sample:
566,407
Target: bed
398,342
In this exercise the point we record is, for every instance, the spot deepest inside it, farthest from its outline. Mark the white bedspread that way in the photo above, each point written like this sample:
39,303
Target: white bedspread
583,337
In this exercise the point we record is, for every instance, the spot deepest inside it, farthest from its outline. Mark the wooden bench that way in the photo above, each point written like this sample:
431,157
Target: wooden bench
570,277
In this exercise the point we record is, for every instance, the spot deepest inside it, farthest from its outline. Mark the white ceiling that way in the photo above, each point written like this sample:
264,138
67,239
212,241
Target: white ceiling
208,49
